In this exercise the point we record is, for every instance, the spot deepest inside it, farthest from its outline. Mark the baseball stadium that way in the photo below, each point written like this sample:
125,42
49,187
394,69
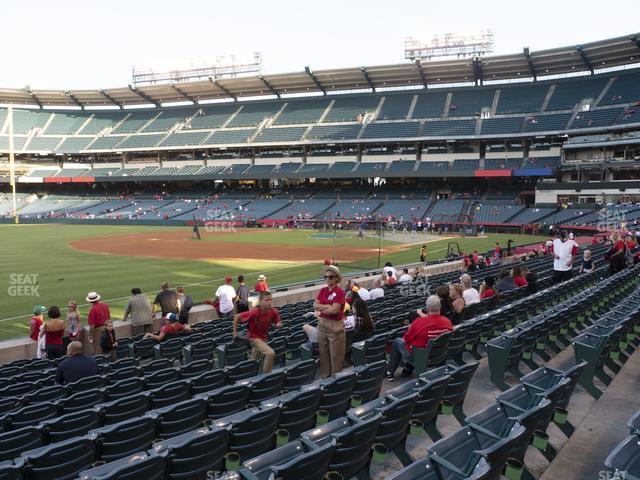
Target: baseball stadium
490,196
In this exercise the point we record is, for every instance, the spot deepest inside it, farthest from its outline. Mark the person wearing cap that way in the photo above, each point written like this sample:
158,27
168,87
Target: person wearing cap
329,308
261,285
97,318
259,319
172,327
36,321
138,310
226,295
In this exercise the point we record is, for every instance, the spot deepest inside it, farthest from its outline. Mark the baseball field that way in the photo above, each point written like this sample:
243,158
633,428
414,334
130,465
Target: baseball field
51,264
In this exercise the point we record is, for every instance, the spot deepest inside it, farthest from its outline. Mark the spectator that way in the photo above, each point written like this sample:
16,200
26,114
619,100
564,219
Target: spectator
497,252
363,293
186,302
76,366
377,291
108,340
53,330
531,278
587,265
421,331
73,323
469,293
225,294
423,254
506,282
390,280
518,276
362,321
172,327
388,267
259,320
138,310
457,303
405,278
564,251
261,285
98,316
616,254
36,321
242,297
487,289
445,301
167,300
329,307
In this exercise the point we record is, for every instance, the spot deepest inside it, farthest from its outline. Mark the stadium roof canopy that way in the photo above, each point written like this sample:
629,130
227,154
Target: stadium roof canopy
589,57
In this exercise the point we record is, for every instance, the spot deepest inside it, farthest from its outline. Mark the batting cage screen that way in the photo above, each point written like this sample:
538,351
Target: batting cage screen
356,245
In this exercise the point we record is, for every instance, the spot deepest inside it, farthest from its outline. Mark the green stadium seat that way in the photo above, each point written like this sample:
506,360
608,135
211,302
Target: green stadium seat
433,355
208,380
124,438
83,400
200,350
71,425
294,461
336,394
297,410
264,386
180,417
624,460
369,379
370,350
170,349
125,388
29,415
125,408
170,394
225,401
140,465
458,385
162,377
13,443
196,367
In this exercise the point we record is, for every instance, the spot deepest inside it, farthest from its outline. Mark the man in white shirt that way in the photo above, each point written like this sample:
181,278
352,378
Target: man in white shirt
363,293
225,294
564,251
389,268
376,292
405,278
469,293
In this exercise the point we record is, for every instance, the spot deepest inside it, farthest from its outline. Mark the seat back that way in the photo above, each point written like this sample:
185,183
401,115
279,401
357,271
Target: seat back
83,400
141,465
32,415
162,377
369,380
170,394
300,374
252,432
458,384
123,373
124,408
353,447
88,383
196,367
336,394
396,415
202,350
125,438
225,401
71,425
308,466
376,348
158,365
242,370
195,453
170,349
297,410
46,394
208,380
438,349
181,417
61,461
142,349
13,443
265,386
125,388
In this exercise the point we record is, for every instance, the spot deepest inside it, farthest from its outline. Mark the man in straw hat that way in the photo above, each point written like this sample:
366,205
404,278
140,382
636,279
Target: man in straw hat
261,284
98,317
329,308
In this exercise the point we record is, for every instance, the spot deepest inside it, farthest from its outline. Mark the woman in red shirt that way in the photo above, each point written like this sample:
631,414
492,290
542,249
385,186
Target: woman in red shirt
53,331
518,277
486,289
617,260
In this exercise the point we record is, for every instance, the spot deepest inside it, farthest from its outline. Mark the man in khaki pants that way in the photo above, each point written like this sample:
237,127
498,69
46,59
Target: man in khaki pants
259,320
329,308
98,317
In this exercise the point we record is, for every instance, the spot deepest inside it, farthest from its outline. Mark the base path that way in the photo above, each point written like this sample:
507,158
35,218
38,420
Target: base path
180,245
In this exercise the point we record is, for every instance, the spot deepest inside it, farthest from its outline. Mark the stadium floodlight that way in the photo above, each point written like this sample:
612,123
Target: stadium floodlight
449,44
223,66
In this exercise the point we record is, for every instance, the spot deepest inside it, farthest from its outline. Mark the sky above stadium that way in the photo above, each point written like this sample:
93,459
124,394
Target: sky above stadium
89,44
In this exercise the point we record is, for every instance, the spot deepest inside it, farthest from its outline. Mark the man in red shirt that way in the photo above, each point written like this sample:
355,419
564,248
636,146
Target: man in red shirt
261,285
329,308
173,327
98,317
421,331
259,320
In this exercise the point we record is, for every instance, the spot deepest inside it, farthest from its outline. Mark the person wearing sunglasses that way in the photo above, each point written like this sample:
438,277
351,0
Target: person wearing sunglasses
329,308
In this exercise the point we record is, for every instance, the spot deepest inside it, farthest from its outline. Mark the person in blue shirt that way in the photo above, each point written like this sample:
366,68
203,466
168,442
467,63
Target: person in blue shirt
76,366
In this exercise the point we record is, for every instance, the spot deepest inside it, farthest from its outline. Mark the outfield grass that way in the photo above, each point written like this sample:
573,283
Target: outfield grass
63,273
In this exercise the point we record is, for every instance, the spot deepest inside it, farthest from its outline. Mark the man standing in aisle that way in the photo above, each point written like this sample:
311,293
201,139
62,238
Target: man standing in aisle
226,294
99,315
329,308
